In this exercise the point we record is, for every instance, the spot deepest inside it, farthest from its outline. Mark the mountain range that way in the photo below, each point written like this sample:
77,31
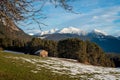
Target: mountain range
108,43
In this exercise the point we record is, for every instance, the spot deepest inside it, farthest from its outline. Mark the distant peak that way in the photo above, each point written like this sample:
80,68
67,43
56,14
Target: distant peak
70,30
31,34
99,31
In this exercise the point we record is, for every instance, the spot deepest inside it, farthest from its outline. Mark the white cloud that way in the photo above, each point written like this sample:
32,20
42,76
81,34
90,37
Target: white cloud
95,17
102,18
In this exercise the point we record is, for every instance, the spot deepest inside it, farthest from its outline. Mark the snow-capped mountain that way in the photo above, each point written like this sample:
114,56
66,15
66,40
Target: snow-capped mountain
42,33
52,31
99,32
71,30
107,42
31,34
68,30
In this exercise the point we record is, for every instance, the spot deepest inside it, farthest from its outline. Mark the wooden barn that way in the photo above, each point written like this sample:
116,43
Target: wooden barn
41,53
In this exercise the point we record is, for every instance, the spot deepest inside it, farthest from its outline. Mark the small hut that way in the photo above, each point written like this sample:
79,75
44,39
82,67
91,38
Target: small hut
41,53
1,49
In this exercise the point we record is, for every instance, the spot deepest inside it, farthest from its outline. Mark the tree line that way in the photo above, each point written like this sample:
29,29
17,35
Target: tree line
84,51
72,48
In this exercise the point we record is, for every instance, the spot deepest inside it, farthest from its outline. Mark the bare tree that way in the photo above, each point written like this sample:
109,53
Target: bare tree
21,10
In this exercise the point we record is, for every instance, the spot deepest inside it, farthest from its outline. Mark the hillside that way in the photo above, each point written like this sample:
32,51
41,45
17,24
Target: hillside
13,32
22,67
13,38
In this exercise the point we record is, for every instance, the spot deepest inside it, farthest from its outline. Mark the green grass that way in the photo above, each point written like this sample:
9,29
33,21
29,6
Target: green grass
18,67
13,69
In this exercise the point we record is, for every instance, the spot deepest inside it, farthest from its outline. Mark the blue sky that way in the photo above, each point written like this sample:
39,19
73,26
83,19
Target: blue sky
94,14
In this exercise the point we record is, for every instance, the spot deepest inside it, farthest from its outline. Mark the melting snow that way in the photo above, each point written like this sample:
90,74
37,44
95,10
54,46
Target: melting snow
74,69
34,71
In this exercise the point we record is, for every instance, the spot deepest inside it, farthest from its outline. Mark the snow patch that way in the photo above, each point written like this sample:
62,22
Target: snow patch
33,71
72,30
73,68
99,32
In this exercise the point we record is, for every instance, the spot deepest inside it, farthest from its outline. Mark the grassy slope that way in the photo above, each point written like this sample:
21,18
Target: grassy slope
11,69
27,67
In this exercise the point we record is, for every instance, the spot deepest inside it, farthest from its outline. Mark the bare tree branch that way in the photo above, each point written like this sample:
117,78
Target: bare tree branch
21,10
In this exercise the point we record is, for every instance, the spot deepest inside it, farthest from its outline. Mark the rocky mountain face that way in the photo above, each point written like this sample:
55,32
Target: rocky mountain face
12,32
